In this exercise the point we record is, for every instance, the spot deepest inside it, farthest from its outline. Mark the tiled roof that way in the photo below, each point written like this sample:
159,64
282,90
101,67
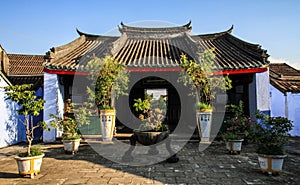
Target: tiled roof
25,65
157,47
25,69
284,77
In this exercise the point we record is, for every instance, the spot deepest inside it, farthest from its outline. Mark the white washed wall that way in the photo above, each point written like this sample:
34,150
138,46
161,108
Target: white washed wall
54,103
12,130
259,93
277,99
286,106
294,112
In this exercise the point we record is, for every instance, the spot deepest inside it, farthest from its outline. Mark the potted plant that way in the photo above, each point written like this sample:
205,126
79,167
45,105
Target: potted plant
200,77
70,127
152,114
237,128
109,79
152,130
270,135
29,162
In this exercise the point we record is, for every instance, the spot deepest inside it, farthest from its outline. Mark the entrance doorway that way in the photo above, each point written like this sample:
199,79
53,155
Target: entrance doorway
158,87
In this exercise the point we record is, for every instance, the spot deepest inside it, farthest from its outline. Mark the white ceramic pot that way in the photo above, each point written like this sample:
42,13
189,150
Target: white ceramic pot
29,165
204,121
234,146
107,119
272,164
71,146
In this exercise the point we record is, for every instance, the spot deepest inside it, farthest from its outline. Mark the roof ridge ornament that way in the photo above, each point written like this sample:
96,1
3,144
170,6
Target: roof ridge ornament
230,29
184,28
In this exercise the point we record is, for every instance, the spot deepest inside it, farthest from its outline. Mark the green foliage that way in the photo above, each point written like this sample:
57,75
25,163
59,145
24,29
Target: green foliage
29,106
200,77
68,124
142,105
25,97
232,136
238,124
203,106
152,113
34,151
271,133
109,79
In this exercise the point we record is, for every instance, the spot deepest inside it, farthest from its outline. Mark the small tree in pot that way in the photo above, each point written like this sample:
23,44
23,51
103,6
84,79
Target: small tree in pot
270,134
109,79
70,126
152,114
237,128
202,80
29,107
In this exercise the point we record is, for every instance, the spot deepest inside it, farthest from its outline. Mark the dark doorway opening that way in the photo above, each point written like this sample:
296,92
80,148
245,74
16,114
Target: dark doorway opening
158,87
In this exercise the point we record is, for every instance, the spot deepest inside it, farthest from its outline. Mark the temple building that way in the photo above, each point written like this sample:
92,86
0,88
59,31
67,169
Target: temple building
152,56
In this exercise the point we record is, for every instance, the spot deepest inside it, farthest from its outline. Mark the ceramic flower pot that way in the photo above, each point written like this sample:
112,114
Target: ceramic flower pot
272,164
71,146
107,119
29,165
234,146
204,123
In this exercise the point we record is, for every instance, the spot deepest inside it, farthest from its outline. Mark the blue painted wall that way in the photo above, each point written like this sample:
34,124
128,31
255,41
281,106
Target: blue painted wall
11,128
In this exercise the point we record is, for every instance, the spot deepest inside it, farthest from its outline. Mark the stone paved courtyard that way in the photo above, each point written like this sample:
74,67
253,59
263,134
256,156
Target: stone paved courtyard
213,166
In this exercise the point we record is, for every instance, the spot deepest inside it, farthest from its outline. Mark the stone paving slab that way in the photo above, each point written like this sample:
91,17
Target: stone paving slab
212,166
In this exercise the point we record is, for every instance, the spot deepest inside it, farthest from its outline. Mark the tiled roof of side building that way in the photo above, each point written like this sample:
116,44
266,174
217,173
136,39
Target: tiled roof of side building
284,77
25,69
20,64
157,47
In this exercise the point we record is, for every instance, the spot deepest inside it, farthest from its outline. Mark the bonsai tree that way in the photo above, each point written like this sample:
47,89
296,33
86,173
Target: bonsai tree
29,107
67,124
238,126
152,113
202,79
109,80
271,133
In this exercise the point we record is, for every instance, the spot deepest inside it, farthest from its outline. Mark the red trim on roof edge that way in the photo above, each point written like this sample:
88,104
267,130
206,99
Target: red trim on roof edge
162,69
241,71
58,72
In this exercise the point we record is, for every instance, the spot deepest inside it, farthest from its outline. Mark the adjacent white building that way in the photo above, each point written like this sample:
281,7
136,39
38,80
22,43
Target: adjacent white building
285,93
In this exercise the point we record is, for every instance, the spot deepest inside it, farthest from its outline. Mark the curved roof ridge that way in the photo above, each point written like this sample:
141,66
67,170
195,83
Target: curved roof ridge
253,49
214,35
126,28
69,45
93,35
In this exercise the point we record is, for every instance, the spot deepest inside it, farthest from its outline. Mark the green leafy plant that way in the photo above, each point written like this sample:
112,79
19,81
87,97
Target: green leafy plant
34,151
109,79
200,77
203,106
68,124
271,133
232,136
238,125
152,113
29,106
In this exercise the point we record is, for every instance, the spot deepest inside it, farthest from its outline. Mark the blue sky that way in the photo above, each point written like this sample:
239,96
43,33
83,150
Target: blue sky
34,26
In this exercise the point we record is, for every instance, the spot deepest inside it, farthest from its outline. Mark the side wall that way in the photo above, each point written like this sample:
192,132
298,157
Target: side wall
54,103
286,106
12,130
259,93
293,101
277,99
